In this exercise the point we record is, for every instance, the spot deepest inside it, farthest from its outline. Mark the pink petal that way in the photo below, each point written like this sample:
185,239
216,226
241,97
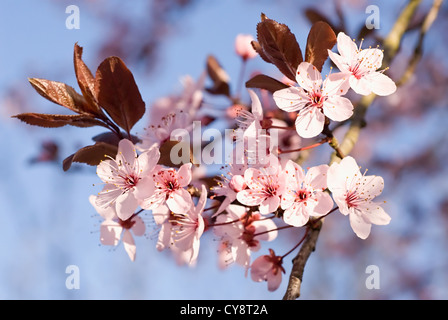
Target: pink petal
346,46
360,86
336,84
144,188
371,186
139,226
237,183
250,197
297,215
110,232
340,173
274,280
164,239
338,60
265,225
308,77
161,214
184,174
257,109
269,205
147,161
107,196
291,99
338,108
179,201
129,244
376,214
107,213
324,204
126,205
260,268
370,59
126,153
316,177
359,225
380,84
310,122
107,171
252,178
200,206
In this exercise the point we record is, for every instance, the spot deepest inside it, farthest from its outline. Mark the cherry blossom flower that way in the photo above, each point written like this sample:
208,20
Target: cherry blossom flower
113,229
169,189
354,192
229,184
268,268
265,188
250,122
174,112
360,66
304,196
183,231
315,99
243,232
126,178
243,46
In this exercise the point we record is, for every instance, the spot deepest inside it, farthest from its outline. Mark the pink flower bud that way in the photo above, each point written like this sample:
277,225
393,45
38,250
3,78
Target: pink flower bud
243,46
238,183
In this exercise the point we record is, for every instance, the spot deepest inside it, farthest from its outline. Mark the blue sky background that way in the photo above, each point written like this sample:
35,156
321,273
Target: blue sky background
47,220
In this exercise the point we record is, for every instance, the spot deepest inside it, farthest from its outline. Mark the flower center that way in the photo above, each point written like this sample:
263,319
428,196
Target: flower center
352,199
302,195
126,224
317,99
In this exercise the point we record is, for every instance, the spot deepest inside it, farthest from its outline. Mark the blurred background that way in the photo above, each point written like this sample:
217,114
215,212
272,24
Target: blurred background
48,223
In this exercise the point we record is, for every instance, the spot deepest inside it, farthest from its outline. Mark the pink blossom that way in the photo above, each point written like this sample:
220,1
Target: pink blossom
181,232
229,185
268,268
304,195
360,66
243,46
353,192
265,188
169,189
112,228
125,178
315,99
250,122
244,231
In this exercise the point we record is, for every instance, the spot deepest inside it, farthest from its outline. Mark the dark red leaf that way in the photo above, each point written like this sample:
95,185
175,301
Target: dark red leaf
262,81
118,94
58,120
91,155
320,39
112,138
219,77
60,93
86,81
278,45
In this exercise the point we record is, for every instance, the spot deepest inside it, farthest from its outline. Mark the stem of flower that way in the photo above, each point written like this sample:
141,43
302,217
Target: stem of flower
276,229
298,244
324,140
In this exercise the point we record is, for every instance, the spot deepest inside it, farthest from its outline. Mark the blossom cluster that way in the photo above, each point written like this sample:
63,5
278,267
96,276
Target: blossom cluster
254,197
262,188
